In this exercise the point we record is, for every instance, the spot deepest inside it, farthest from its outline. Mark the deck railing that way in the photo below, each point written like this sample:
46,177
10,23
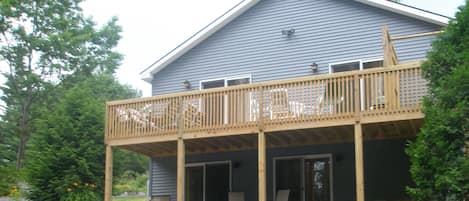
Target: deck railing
341,96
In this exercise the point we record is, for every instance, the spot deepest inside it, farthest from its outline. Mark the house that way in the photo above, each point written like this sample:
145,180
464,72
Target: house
309,100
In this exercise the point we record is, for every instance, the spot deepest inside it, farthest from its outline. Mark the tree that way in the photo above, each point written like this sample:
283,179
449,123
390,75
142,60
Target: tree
41,43
66,159
439,164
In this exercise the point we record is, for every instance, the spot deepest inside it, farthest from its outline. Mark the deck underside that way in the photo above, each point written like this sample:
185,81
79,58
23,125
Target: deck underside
287,138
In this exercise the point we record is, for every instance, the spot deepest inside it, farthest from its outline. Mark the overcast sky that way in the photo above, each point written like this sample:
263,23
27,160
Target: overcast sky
151,28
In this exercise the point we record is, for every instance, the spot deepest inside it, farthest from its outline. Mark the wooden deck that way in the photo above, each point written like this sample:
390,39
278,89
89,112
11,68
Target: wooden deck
373,104
370,96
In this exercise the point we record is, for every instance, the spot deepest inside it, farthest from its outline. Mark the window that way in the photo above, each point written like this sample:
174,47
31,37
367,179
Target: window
355,65
230,108
335,68
370,95
225,82
372,64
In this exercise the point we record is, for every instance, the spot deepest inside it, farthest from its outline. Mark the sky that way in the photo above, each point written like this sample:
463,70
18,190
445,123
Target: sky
151,28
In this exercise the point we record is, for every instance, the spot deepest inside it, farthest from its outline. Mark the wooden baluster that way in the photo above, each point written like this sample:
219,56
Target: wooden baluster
356,89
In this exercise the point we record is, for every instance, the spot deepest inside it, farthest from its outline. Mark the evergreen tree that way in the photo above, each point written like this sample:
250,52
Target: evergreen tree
439,160
41,42
66,160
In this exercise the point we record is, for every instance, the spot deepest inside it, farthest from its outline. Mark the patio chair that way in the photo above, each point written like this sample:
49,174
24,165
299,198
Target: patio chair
166,119
192,116
282,195
236,196
281,107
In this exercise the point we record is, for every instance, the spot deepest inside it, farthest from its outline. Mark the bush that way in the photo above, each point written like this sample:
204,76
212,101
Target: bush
80,194
130,182
439,166
8,179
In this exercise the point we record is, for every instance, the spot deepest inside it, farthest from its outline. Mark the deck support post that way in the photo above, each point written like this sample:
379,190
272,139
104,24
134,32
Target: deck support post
180,170
108,174
359,177
261,166
181,153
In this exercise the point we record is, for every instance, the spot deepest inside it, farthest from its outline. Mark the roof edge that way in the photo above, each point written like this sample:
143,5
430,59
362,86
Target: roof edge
409,11
244,5
197,38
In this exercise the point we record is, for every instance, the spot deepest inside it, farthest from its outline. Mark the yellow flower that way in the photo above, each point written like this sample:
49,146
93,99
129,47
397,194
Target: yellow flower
75,183
86,184
92,185
69,189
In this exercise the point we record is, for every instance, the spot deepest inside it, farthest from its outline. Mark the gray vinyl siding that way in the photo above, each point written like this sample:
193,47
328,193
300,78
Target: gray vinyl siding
163,177
386,170
326,31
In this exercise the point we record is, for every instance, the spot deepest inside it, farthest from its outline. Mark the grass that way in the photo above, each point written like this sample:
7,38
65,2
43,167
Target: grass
130,199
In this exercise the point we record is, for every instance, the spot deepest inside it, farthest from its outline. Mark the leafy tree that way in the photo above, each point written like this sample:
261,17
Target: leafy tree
66,159
439,164
41,42
128,161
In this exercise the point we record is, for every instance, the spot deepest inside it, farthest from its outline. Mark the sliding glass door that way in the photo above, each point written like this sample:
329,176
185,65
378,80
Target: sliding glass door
222,109
317,179
308,178
288,177
207,182
217,182
194,183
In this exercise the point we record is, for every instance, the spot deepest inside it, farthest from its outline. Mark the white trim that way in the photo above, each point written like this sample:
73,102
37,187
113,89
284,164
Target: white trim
344,62
362,82
408,11
302,159
147,74
226,79
204,166
225,101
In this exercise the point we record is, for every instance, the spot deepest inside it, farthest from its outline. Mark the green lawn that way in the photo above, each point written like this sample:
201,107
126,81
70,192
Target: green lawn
129,199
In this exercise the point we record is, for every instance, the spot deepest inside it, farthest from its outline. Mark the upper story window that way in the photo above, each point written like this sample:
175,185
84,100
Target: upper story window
355,65
225,82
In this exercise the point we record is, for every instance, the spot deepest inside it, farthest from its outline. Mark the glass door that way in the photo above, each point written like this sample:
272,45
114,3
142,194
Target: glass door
213,105
288,177
317,179
372,91
308,178
222,109
238,106
207,181
194,183
217,182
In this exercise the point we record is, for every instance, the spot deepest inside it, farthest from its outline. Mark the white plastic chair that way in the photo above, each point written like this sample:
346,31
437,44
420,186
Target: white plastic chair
236,196
282,195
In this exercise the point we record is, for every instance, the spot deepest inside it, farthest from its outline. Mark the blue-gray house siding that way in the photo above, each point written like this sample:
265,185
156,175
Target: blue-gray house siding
326,31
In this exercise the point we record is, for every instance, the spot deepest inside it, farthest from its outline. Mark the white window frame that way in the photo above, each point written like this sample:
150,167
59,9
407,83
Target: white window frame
302,163
362,82
226,79
204,165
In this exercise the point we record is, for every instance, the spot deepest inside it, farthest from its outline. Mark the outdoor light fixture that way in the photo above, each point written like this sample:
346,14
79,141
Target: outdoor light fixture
314,67
288,32
187,84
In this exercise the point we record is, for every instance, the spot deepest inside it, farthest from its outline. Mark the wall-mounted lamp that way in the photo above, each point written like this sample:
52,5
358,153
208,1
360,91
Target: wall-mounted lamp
187,84
288,32
314,67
